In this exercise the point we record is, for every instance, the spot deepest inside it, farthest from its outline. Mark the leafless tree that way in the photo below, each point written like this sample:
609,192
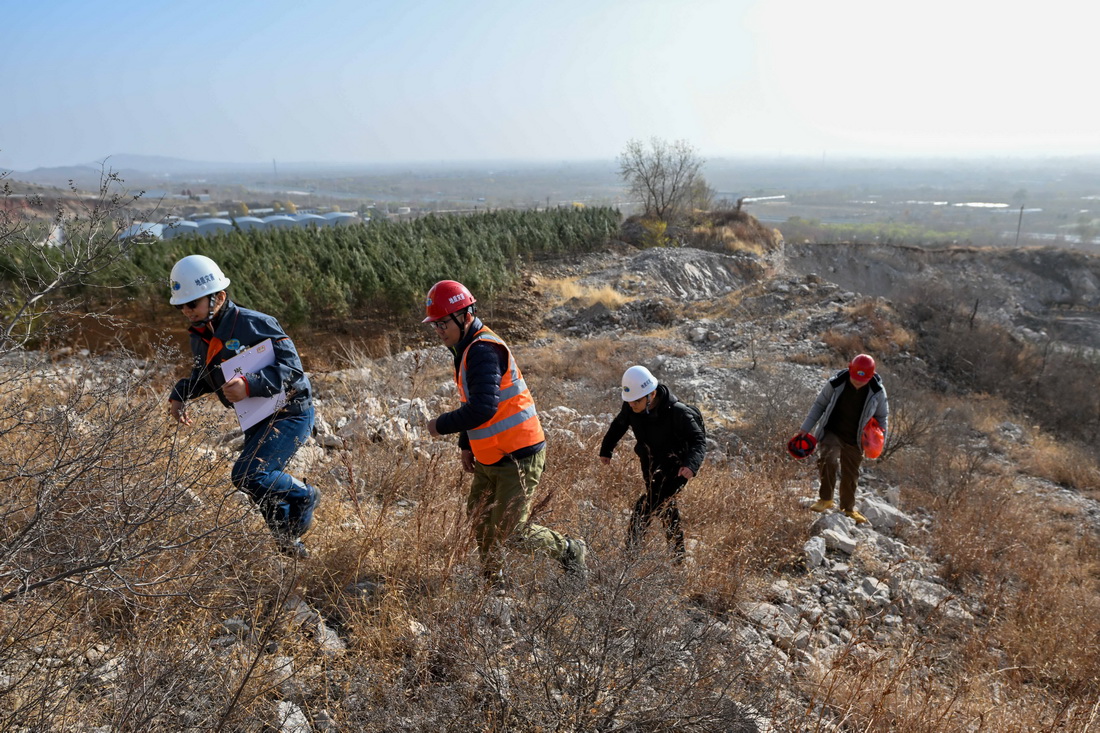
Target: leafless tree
664,176
79,241
120,539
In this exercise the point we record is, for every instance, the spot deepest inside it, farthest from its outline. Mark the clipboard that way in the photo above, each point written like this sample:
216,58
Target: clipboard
253,409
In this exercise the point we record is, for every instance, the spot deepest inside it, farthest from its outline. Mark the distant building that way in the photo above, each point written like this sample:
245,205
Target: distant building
181,228
337,218
213,225
143,229
249,222
307,219
280,221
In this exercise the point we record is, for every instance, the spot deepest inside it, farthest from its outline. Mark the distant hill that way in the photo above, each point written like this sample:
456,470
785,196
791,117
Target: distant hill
132,168
84,177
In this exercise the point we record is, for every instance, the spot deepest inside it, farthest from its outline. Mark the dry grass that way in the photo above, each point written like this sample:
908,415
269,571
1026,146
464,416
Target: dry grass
732,231
395,573
745,529
119,557
588,372
569,289
729,304
1064,463
876,329
1025,661
728,238
1037,576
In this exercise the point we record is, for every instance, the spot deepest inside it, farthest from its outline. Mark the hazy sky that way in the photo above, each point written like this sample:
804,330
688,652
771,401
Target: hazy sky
365,81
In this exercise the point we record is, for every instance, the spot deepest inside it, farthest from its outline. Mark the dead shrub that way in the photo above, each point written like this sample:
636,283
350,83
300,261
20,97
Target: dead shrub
875,329
774,411
978,529
746,527
885,334
1052,623
1067,464
971,354
846,343
568,289
731,230
584,372
645,645
121,540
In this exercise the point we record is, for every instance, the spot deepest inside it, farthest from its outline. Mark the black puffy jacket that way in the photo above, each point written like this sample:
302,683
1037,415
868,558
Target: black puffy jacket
669,435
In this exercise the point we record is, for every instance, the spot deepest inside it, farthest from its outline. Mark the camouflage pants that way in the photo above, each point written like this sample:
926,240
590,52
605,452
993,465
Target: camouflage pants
498,506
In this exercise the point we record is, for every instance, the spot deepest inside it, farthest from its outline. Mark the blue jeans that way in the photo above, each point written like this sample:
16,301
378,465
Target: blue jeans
286,503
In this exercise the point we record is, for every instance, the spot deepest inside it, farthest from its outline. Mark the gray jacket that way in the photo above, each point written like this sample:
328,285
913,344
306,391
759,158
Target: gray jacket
876,405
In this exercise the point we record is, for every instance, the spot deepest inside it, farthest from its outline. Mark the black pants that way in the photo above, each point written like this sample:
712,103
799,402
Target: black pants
662,484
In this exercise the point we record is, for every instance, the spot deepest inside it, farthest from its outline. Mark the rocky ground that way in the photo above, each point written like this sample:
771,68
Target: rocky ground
1042,293
730,331
860,581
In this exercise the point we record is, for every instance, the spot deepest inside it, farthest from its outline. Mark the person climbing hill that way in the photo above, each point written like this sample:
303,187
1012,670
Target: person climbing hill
836,421
220,329
671,446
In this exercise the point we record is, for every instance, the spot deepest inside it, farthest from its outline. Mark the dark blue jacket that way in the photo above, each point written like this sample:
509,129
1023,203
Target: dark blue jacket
236,329
485,365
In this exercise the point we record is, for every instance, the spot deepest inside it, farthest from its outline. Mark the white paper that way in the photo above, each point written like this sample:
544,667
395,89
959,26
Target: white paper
251,410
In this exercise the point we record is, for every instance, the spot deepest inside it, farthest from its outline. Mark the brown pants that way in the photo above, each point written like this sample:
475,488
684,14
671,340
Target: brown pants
834,454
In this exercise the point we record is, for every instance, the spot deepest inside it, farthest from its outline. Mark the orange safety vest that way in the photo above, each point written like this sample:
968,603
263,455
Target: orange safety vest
515,424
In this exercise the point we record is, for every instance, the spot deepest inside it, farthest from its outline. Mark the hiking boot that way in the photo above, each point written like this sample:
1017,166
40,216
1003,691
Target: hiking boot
855,516
822,505
572,560
314,502
499,583
292,546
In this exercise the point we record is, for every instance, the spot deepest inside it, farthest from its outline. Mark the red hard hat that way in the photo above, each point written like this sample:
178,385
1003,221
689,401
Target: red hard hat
862,367
445,298
873,439
802,445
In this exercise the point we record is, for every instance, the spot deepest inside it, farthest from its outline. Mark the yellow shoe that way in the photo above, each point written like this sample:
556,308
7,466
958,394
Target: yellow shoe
856,516
822,505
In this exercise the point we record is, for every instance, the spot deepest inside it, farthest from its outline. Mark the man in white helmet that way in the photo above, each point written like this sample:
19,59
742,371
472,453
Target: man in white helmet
219,330
671,445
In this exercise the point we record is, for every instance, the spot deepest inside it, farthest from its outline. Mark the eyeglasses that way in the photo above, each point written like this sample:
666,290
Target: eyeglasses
440,325
191,306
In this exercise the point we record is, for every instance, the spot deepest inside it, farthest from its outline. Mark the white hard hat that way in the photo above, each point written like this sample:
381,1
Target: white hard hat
637,382
195,276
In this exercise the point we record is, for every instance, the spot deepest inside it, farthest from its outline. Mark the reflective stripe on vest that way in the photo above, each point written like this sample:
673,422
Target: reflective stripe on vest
515,424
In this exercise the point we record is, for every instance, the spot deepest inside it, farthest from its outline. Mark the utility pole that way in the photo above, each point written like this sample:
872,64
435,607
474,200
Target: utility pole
1019,224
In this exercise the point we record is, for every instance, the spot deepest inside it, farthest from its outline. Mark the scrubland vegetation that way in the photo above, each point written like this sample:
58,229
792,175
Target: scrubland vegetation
137,592
325,275
140,593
